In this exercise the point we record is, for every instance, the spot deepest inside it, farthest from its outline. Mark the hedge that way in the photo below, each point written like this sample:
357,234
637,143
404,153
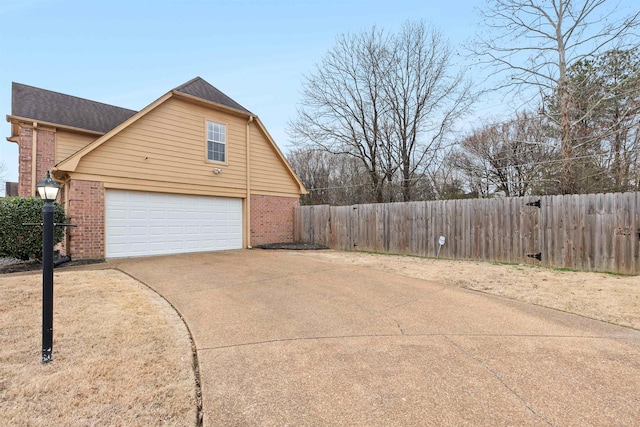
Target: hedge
20,241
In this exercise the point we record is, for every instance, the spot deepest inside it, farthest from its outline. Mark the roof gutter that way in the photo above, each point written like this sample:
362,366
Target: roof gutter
14,131
14,119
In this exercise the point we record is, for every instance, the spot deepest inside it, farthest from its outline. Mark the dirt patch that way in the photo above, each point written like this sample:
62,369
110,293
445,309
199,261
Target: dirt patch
602,296
121,354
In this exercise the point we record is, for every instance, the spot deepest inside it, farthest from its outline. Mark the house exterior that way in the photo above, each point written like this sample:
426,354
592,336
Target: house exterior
193,171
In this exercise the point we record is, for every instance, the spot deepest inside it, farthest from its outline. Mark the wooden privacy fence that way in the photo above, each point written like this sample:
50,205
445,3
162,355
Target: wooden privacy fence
589,232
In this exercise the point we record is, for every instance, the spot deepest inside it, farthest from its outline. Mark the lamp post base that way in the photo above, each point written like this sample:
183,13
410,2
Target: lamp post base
47,355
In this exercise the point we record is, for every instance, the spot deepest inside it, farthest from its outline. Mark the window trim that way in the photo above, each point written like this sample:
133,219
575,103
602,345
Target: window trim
206,141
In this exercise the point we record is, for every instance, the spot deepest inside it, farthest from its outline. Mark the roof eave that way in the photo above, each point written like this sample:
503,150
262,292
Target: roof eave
26,120
212,104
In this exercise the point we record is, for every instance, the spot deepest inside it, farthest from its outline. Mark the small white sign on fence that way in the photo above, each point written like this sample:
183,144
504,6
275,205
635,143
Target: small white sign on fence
441,243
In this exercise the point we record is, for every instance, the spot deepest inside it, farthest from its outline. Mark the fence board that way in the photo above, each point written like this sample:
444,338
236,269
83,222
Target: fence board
593,232
636,239
515,248
608,231
624,232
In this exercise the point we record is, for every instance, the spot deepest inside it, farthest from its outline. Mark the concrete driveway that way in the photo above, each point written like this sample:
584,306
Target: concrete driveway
285,339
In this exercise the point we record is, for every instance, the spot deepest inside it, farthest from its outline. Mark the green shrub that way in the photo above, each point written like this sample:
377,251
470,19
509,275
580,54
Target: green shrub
21,241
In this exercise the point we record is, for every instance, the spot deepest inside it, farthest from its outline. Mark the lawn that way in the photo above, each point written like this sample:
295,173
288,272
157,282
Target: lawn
121,356
601,296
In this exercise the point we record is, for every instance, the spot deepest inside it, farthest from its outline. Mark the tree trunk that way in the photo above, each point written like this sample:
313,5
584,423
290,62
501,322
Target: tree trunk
376,185
568,175
406,181
567,171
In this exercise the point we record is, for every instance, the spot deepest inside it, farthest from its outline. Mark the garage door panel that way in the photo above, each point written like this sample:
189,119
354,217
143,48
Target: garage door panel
118,214
157,215
139,223
139,214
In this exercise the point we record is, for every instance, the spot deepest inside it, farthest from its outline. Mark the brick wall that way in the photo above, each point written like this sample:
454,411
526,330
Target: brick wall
24,161
272,219
45,154
45,157
86,209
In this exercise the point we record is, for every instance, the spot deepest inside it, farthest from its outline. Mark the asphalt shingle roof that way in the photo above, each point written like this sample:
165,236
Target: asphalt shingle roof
54,107
202,89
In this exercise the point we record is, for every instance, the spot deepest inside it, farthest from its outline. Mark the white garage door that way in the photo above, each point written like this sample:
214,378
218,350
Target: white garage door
139,224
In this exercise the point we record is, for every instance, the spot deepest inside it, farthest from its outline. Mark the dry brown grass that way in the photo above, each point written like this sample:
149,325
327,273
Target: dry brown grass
611,298
121,355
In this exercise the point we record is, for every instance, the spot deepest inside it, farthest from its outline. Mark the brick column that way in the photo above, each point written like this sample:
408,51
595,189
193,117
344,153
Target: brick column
45,157
45,154
86,209
25,136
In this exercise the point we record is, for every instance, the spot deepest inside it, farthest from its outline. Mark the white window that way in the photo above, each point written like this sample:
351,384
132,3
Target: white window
216,142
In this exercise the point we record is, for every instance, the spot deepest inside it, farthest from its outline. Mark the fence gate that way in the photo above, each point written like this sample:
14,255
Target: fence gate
534,233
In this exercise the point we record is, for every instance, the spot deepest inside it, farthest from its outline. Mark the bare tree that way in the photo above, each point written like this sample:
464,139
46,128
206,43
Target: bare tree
342,110
536,41
425,98
511,158
313,167
387,100
446,182
334,179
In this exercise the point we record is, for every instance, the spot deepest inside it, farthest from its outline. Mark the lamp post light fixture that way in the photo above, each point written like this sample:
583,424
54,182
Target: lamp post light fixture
48,190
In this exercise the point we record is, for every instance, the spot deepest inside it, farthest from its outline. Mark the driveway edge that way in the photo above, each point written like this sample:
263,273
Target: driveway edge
194,351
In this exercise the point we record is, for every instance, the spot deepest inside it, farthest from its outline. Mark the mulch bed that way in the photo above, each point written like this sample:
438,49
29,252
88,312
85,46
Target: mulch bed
292,246
34,265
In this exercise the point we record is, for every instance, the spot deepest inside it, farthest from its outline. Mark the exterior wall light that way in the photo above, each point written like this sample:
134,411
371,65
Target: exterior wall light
48,188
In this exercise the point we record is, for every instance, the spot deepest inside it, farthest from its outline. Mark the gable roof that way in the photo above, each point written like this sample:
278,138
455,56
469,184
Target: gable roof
200,88
33,103
44,105
53,107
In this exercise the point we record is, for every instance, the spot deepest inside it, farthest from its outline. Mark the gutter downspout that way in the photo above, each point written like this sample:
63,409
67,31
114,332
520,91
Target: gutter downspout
34,158
248,199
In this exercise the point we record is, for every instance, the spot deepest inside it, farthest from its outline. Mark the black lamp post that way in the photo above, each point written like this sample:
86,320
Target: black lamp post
48,190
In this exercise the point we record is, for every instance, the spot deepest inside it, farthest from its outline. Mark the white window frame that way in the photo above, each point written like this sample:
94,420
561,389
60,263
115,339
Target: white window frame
216,135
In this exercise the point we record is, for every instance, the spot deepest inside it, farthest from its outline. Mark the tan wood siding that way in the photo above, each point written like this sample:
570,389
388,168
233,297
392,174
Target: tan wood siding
166,151
162,187
68,142
269,175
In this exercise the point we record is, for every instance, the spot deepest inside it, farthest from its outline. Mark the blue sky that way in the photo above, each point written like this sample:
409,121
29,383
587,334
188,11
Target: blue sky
129,53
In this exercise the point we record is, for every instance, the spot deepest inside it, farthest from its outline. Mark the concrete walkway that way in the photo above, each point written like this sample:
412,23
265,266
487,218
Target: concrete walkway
284,339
